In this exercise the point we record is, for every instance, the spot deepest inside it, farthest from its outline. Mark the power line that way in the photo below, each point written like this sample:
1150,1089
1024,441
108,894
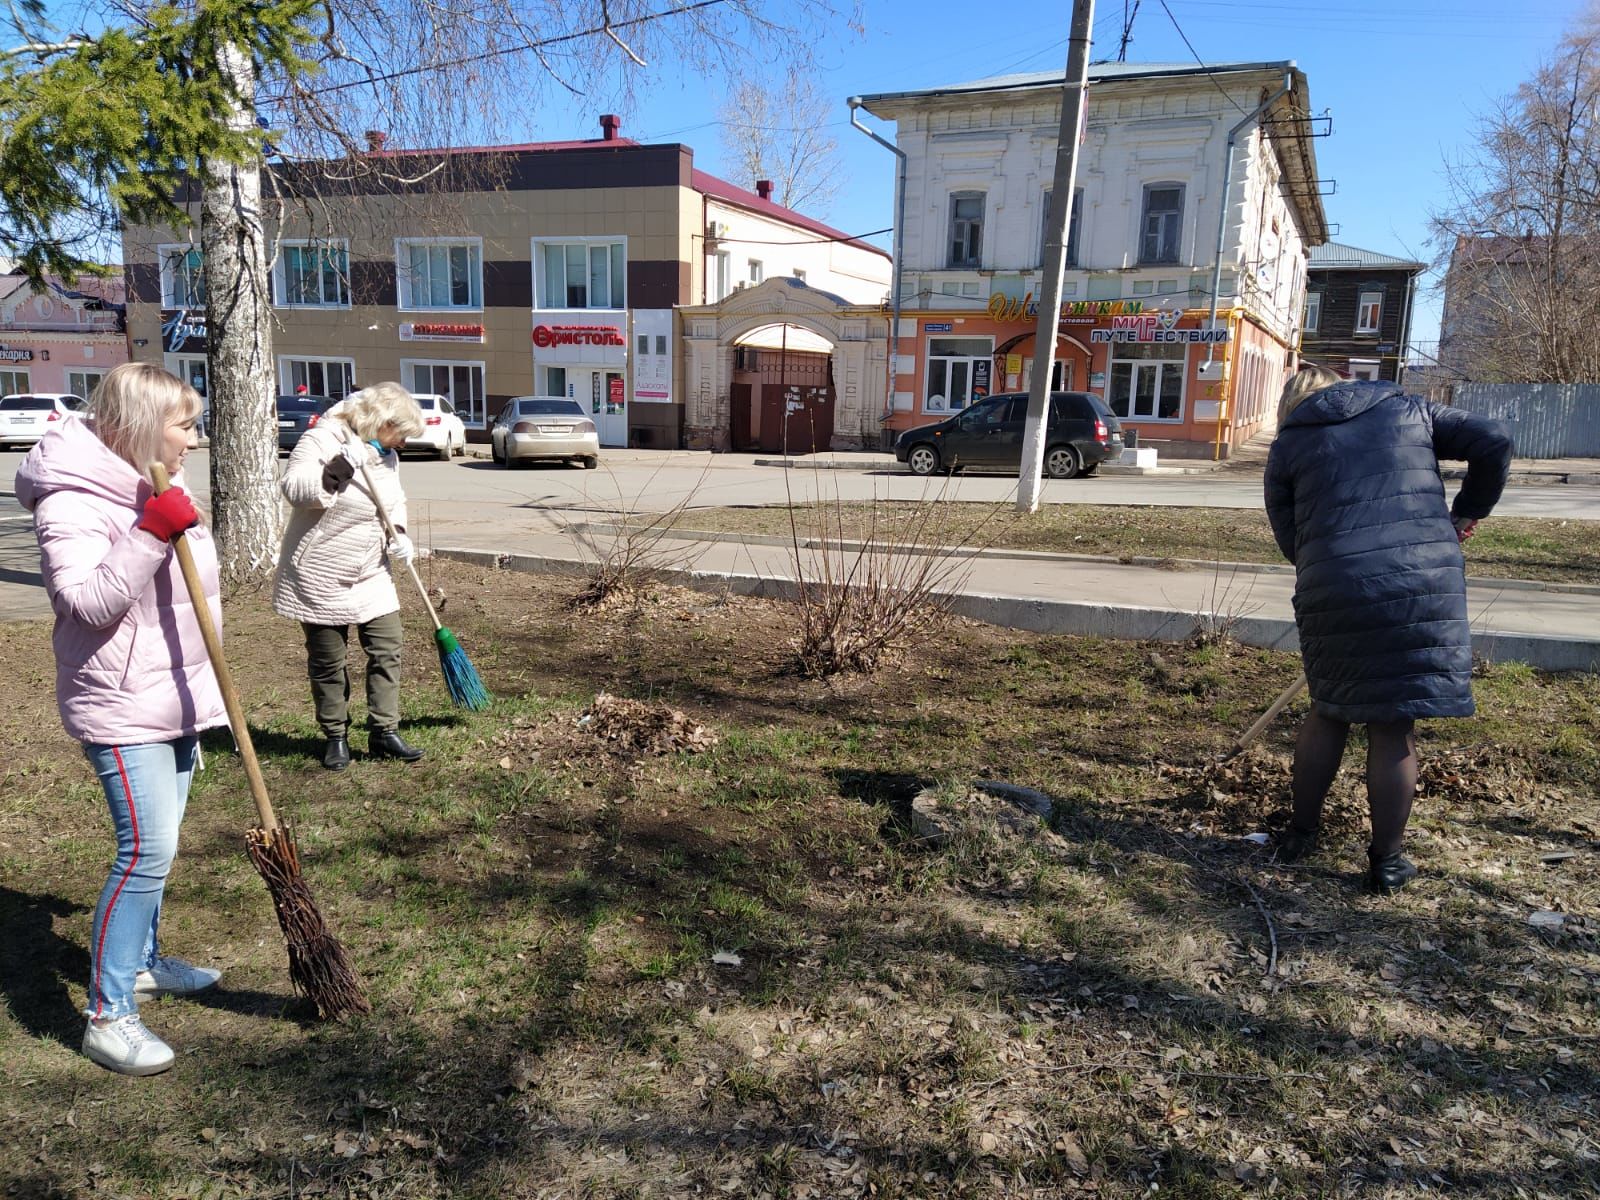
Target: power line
1200,60
1128,18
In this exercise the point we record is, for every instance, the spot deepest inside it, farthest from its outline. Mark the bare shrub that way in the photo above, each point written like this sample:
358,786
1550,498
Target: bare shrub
626,555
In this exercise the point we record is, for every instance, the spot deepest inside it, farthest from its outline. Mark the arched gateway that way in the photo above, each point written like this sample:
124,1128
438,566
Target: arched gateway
715,385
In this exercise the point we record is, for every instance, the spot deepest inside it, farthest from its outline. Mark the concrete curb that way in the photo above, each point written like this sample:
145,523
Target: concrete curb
1080,618
1131,560
893,467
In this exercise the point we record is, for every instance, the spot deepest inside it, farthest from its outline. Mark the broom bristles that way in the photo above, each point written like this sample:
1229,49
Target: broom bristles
319,967
460,676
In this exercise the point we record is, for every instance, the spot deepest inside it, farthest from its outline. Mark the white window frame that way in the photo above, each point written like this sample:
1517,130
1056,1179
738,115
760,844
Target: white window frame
1159,368
1375,299
1158,259
617,244
545,384
474,415
971,238
98,373
286,384
1313,314
16,373
165,256
756,270
341,274
1366,368
722,277
403,281
946,407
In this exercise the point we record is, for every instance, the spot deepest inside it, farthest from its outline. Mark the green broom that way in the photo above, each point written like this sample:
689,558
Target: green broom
460,676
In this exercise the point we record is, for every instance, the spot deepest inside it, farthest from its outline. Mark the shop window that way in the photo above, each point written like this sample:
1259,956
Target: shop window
1364,368
183,282
459,382
83,383
1161,226
1313,311
12,382
957,373
436,273
312,274
335,377
1369,312
966,229
1074,224
1146,382
588,274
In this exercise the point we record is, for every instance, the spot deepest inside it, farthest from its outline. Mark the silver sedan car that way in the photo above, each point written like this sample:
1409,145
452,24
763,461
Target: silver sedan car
532,427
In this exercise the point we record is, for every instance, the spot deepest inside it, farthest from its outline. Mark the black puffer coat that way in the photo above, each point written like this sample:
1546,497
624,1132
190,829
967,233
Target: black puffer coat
1356,503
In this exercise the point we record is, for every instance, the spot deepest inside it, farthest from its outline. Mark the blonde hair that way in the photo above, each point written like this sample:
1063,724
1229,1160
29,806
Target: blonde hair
1307,381
380,404
132,406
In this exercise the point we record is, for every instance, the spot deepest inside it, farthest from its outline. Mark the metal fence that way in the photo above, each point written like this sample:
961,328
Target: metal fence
1548,420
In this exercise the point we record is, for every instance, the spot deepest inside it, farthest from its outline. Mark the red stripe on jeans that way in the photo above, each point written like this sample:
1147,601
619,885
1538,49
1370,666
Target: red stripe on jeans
133,819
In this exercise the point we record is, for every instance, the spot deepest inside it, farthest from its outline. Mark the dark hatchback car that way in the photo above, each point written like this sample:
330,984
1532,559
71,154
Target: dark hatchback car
1082,434
296,414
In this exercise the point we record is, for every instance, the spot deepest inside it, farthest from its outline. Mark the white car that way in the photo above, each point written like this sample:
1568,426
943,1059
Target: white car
534,427
442,431
25,417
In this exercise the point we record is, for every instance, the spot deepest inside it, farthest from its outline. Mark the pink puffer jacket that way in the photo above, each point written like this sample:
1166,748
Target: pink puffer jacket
131,666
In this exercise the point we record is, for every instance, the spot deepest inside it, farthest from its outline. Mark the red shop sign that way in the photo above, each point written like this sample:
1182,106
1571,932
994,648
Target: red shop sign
577,335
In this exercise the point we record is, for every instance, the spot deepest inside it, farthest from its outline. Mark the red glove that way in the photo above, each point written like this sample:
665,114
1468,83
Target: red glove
169,514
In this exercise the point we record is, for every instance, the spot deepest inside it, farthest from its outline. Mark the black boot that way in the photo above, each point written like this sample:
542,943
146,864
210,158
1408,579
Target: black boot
387,743
1389,873
336,754
1295,844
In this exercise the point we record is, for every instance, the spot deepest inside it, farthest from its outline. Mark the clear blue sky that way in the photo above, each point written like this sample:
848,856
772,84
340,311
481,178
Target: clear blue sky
1404,81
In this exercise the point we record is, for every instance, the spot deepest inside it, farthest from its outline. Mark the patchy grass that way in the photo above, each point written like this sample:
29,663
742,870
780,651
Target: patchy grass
1554,550
1019,1012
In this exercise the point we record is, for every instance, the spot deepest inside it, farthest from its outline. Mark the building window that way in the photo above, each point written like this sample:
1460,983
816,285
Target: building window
958,373
12,382
555,381
335,377
313,274
83,383
1364,368
588,274
1313,311
966,229
183,282
1074,224
722,282
1146,382
1161,229
459,382
436,273
1368,312
757,272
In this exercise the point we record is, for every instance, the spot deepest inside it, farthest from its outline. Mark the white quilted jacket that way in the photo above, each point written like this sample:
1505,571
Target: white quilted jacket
331,567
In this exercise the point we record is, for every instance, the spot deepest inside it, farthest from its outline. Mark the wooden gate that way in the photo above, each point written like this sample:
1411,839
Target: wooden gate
796,419
740,397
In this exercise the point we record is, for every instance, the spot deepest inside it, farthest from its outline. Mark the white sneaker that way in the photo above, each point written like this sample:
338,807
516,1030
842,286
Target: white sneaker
125,1046
173,977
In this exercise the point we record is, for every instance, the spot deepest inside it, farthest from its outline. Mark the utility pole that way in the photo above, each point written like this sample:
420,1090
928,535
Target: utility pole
1074,96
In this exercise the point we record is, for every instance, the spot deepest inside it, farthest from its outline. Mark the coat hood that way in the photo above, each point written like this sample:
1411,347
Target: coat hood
1341,402
71,458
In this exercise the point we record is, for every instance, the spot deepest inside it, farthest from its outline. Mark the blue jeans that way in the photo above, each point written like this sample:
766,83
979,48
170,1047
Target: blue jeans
146,789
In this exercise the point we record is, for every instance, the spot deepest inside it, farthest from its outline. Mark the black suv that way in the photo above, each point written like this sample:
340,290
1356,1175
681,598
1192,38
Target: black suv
1082,433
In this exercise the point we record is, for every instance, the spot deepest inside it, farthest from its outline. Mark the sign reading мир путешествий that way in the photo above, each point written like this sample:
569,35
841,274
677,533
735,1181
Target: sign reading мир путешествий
1155,327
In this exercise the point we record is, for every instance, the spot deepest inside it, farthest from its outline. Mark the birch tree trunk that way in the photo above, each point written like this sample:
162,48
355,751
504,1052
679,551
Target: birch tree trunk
245,512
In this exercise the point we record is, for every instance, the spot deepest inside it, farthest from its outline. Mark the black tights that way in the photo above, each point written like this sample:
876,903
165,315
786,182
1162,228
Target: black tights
1391,776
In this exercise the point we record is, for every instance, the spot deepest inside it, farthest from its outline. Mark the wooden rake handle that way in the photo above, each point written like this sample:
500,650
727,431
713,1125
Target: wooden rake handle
389,531
219,665
1265,719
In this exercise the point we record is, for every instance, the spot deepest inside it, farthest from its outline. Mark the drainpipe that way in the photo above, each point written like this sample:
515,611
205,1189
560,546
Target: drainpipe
1227,183
899,252
1405,333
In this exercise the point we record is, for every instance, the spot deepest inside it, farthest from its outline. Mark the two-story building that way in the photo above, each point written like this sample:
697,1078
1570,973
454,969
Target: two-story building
1196,200
484,273
61,337
1358,311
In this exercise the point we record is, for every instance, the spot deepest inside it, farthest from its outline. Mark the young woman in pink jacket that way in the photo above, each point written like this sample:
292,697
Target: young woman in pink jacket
132,678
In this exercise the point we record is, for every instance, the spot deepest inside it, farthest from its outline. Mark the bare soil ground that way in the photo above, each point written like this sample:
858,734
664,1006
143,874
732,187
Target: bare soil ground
1558,551
622,951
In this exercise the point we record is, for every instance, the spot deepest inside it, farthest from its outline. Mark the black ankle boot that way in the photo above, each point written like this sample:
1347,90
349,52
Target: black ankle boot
1294,844
336,754
1389,873
387,743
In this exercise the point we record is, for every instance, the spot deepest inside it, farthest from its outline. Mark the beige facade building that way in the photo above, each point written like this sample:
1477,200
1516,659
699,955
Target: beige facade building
486,273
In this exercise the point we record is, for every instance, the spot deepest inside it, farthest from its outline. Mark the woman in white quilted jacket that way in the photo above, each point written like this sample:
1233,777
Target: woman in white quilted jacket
333,568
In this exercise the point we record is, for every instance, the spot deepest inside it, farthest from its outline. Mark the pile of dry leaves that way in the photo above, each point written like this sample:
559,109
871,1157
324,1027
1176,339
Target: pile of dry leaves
634,727
1241,794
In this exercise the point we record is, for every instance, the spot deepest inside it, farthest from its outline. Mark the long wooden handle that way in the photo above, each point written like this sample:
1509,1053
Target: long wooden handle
219,665
1265,719
389,532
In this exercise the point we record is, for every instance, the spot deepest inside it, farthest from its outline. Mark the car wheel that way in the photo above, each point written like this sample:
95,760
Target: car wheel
591,462
461,447
923,459
1062,462
494,451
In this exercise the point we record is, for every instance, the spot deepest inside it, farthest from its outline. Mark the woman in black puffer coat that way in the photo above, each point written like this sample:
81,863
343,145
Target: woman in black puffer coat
1356,502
